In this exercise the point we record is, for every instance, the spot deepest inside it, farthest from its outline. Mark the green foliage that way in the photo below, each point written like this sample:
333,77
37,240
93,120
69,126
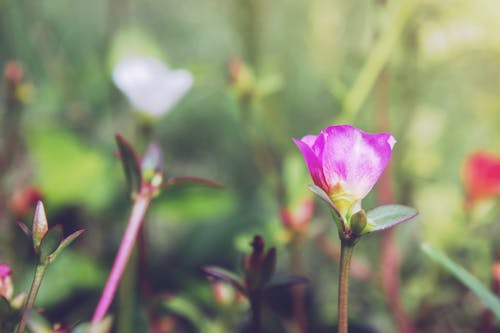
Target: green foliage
432,67
491,300
70,172
70,273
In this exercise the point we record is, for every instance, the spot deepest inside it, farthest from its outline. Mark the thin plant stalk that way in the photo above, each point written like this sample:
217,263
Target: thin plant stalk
35,286
256,307
343,301
138,211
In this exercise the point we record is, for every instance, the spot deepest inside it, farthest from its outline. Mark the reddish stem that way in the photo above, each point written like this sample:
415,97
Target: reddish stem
134,224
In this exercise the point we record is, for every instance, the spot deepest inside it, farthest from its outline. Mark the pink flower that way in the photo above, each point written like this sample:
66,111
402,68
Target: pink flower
346,162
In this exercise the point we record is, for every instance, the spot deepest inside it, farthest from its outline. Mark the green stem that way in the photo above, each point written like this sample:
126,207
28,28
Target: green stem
35,286
346,250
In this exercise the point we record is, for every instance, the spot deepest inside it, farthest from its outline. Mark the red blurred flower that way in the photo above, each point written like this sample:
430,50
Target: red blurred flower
24,200
481,176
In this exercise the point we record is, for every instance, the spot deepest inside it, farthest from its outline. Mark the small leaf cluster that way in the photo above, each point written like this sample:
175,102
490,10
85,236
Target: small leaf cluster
48,243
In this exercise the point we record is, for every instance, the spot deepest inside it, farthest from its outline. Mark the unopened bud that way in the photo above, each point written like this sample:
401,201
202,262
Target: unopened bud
359,221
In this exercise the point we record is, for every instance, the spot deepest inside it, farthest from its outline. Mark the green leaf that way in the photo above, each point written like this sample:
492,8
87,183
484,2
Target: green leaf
486,296
40,226
193,204
183,307
38,324
65,243
130,163
103,326
388,216
51,241
70,171
69,274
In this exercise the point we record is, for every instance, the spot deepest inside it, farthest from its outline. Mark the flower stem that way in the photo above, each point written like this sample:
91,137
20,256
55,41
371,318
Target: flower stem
35,286
345,263
138,210
256,307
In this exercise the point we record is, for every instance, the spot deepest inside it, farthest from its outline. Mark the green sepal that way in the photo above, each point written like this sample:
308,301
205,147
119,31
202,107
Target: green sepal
337,217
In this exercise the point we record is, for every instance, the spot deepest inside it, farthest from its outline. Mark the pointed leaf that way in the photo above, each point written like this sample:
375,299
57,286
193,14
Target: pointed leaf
193,180
65,243
388,216
40,226
51,241
130,163
225,275
483,293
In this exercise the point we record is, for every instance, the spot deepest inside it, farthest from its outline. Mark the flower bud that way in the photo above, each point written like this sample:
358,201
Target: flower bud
359,223
40,226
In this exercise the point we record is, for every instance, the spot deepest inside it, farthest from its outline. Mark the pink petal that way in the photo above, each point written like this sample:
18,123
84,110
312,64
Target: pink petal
4,271
312,161
355,159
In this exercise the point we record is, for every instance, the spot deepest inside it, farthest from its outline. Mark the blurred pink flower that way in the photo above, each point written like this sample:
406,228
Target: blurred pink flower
6,286
150,85
481,176
346,162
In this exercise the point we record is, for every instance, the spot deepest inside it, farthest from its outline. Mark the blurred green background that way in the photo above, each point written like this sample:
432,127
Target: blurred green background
427,71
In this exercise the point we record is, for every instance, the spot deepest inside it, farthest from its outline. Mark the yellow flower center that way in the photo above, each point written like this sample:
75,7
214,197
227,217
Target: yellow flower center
343,201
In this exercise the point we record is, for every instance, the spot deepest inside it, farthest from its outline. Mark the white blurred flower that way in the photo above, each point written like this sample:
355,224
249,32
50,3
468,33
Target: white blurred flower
150,85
